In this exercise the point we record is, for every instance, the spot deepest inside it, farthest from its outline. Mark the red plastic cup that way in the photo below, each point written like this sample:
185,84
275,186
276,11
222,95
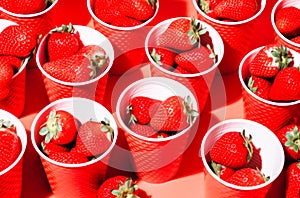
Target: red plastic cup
15,102
198,83
11,178
238,37
270,158
273,115
74,180
280,38
128,42
156,160
93,89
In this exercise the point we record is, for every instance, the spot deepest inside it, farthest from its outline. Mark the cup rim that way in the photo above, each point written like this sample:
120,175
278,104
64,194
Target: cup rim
227,184
65,165
278,33
74,84
90,9
280,104
29,15
20,130
262,7
191,75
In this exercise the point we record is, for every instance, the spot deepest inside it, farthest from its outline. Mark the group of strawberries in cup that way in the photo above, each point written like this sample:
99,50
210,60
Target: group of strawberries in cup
185,48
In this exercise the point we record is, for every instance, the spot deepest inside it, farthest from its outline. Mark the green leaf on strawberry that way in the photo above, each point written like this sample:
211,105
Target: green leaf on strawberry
293,139
107,128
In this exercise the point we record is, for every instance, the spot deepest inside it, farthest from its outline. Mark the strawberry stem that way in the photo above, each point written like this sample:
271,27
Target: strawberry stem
248,145
107,128
196,31
282,57
293,140
188,110
97,61
127,190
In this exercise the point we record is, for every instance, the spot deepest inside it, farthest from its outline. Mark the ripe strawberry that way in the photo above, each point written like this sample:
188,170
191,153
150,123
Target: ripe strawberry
289,136
12,60
293,180
143,130
106,10
6,75
260,86
94,138
63,42
222,171
232,149
51,147
196,60
17,40
208,6
82,66
118,186
247,177
174,114
296,39
68,157
10,144
287,21
269,60
60,127
124,21
286,85
24,7
141,10
164,57
236,10
140,108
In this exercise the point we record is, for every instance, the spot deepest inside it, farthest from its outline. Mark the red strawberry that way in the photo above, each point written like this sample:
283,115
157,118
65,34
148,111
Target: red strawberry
140,108
174,114
24,7
10,144
63,42
124,21
94,138
286,85
17,40
164,57
287,21
106,10
293,180
60,127
296,39
68,157
232,149
82,66
12,60
269,60
196,60
289,136
236,10
247,177
260,86
141,10
222,171
6,75
51,147
208,6
118,186
143,130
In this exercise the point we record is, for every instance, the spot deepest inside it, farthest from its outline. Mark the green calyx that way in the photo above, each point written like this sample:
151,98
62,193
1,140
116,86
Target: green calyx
98,60
204,5
64,29
293,139
248,145
156,57
266,178
282,57
132,119
196,31
107,129
251,84
152,3
126,190
216,168
51,128
188,110
5,124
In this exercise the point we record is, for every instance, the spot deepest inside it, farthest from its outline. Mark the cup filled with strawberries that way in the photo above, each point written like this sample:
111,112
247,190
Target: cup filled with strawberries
74,138
270,78
13,143
74,61
242,158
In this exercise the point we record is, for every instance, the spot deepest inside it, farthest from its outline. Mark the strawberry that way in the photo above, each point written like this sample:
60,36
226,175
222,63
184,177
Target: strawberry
141,10
289,136
10,144
232,149
293,180
140,108
247,177
6,75
82,66
296,39
106,10
208,6
286,85
196,60
12,60
51,147
260,86
124,21
174,114
164,57
287,21
68,157
236,10
222,171
17,40
143,130
269,60
60,127
118,186
93,138
63,42
24,7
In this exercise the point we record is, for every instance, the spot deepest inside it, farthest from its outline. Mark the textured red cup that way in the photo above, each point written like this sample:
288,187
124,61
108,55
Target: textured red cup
198,83
279,37
270,158
11,178
93,89
156,160
238,37
273,115
74,180
128,42
15,101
